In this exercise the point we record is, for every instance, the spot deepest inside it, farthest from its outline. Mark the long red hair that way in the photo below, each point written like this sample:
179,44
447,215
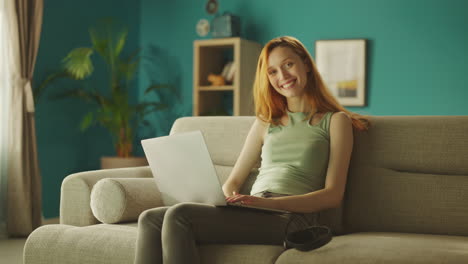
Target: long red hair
270,105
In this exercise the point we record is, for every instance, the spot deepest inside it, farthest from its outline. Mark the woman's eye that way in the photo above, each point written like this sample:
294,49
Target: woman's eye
289,65
271,73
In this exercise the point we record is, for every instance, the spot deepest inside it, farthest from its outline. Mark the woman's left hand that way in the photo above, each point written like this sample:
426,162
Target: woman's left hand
252,200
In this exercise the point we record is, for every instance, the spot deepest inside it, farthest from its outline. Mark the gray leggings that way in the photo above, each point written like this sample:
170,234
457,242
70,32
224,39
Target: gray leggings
171,234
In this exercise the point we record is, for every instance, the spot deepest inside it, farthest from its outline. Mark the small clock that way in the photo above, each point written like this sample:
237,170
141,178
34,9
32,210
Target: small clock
203,27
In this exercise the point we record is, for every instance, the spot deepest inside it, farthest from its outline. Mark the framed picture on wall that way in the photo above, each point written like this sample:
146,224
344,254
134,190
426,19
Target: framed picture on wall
342,64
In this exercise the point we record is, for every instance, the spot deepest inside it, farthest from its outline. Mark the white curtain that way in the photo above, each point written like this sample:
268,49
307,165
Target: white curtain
9,75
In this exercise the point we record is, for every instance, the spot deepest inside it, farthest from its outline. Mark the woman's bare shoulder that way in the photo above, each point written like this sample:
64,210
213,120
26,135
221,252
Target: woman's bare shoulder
261,127
261,122
340,120
342,116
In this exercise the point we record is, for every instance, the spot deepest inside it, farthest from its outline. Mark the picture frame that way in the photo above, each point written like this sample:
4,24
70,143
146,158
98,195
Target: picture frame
342,65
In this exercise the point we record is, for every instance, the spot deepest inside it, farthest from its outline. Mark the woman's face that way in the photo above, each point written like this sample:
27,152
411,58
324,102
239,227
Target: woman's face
287,72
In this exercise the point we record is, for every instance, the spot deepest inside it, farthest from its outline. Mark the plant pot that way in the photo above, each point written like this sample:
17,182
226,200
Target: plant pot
118,162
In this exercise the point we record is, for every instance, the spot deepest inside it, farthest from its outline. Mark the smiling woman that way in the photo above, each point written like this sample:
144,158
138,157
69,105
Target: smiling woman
304,139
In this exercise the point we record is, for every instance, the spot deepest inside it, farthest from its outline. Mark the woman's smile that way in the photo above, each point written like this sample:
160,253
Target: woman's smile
288,84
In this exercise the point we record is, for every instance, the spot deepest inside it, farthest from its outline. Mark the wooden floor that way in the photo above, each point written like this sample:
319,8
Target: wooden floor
11,250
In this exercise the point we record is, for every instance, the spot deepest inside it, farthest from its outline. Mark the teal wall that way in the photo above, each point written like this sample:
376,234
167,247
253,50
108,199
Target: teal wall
62,148
417,60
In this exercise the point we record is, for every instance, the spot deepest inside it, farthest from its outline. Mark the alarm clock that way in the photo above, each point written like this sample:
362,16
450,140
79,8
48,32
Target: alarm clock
203,27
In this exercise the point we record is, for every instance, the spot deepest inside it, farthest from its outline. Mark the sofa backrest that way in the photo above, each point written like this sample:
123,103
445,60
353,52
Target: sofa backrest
409,174
224,138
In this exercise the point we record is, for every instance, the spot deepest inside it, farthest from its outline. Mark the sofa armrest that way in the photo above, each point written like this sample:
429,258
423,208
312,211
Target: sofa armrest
75,208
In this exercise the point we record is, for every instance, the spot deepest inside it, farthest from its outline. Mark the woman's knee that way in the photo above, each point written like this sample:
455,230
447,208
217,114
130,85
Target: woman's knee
152,217
183,212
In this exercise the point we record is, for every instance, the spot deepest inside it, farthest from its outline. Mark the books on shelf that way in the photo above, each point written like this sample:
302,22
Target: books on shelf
229,71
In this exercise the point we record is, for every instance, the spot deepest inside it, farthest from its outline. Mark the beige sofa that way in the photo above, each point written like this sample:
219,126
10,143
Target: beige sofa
406,200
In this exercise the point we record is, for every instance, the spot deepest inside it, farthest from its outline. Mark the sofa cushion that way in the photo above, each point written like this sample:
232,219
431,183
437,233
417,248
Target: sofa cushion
394,201
103,243
384,248
224,136
122,200
96,244
409,174
234,254
426,144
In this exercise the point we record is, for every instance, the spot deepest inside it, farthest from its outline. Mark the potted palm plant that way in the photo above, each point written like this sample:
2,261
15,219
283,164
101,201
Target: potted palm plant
113,109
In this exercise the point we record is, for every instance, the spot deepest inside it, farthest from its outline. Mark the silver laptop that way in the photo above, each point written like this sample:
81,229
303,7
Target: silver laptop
184,171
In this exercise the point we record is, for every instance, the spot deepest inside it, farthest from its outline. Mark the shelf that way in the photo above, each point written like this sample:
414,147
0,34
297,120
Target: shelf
220,42
216,88
210,57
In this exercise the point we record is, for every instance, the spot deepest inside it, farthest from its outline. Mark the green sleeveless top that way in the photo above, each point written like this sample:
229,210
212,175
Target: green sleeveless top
295,156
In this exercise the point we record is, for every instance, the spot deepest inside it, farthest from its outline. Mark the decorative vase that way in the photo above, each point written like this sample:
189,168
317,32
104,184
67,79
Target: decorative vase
119,162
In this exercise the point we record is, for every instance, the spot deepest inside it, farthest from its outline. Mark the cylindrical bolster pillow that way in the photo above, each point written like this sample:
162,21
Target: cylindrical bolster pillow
115,200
